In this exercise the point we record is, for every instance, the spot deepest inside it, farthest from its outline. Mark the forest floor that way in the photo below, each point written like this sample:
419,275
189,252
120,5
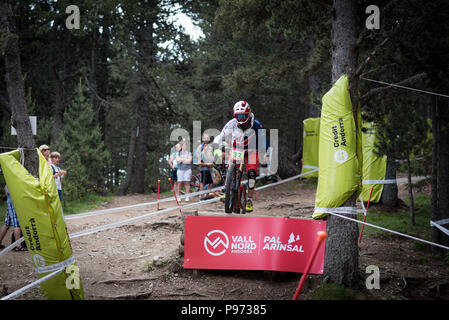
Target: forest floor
141,260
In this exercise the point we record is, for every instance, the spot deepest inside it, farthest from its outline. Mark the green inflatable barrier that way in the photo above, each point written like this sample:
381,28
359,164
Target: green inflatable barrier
311,136
374,166
40,216
339,169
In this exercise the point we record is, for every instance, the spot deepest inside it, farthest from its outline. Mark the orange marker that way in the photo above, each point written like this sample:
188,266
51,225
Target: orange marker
321,235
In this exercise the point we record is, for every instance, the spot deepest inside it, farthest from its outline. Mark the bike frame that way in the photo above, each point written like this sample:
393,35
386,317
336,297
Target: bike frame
237,188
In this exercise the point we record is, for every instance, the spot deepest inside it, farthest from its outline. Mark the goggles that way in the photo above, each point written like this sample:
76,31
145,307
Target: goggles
241,116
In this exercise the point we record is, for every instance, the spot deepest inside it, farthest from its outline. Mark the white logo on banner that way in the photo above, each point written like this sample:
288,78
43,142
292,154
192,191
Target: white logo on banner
220,241
340,156
39,260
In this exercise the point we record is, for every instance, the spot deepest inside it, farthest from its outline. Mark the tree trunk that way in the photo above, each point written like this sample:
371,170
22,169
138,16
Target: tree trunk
390,191
13,76
341,259
146,56
314,84
98,86
130,162
410,191
434,208
141,149
58,114
443,164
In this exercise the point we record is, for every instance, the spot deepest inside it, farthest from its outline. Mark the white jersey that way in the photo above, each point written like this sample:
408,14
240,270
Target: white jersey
247,139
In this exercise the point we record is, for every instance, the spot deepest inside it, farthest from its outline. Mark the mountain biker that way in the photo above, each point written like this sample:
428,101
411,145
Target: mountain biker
246,132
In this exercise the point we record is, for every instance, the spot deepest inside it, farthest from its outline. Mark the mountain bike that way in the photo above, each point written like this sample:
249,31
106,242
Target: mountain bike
235,191
195,182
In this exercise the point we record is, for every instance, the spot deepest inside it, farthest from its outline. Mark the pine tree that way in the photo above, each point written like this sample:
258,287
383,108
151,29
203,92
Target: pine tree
82,149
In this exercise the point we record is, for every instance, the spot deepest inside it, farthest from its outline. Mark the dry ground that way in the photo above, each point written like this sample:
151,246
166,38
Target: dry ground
141,260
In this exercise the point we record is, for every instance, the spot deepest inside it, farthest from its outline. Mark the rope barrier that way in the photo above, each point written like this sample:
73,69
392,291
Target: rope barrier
11,246
134,206
404,87
134,219
391,231
32,285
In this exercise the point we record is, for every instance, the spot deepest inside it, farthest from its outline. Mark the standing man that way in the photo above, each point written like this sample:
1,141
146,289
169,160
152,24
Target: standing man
205,156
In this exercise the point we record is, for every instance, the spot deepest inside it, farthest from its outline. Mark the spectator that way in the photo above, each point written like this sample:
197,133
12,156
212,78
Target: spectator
45,150
58,173
184,172
217,182
174,167
11,221
205,157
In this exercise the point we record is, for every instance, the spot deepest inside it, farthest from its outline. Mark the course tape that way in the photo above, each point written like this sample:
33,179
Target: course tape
32,285
392,181
439,227
56,266
391,231
111,210
306,166
134,219
94,230
342,210
124,222
11,246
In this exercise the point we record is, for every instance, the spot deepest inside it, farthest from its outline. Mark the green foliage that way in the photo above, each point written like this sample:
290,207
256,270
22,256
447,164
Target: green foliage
88,202
81,148
332,291
400,221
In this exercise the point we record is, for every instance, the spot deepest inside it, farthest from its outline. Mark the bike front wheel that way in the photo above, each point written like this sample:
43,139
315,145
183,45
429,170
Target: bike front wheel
229,188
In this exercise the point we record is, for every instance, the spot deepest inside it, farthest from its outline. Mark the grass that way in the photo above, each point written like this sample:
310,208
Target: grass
332,291
400,220
89,202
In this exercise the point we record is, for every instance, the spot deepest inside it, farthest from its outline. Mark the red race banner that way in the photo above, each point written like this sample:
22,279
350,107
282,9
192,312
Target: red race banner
252,243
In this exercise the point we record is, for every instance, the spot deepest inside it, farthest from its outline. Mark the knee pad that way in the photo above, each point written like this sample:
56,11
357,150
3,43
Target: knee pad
252,178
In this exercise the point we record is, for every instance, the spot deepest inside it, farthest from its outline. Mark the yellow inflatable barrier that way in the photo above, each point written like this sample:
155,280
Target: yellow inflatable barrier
311,136
339,173
374,166
39,212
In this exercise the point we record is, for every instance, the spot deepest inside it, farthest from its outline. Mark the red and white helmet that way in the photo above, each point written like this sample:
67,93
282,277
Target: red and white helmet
242,112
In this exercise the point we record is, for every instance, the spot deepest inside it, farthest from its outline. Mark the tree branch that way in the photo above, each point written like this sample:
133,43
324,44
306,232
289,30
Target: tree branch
370,56
414,78
378,69
102,100
366,31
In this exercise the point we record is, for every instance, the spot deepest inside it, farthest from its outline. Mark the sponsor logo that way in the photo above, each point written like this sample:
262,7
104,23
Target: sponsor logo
39,260
340,156
216,242
273,243
33,236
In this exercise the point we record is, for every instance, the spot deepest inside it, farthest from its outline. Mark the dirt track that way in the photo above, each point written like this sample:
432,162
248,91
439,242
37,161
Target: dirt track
141,260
